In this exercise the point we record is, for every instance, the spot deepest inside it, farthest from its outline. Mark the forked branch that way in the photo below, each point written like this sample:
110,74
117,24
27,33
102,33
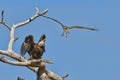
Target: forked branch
10,52
34,65
3,22
37,14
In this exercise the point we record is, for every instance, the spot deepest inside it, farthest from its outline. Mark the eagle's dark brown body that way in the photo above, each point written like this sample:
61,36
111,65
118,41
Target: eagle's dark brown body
36,51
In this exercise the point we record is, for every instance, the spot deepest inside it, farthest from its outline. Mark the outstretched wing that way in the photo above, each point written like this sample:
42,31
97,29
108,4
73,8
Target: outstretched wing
54,20
81,27
24,48
26,44
42,40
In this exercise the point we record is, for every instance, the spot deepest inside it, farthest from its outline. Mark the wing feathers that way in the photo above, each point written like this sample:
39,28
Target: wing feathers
42,40
81,27
35,50
54,20
24,48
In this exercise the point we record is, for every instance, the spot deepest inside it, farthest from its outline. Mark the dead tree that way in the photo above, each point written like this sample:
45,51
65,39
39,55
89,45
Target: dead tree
38,66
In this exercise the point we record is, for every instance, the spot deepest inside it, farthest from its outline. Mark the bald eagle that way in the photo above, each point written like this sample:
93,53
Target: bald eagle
35,50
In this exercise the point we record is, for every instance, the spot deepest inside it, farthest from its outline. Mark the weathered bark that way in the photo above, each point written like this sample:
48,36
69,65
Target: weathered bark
38,66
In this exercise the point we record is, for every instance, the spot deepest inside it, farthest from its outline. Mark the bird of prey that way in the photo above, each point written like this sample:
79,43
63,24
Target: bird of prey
67,28
35,50
38,49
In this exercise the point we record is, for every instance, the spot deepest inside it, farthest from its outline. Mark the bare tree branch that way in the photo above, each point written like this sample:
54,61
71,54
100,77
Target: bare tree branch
44,74
13,55
6,25
2,21
65,76
17,57
16,39
41,75
12,39
37,14
54,76
33,63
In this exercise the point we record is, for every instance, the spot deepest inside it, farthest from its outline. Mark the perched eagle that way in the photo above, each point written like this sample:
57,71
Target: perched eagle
67,28
35,50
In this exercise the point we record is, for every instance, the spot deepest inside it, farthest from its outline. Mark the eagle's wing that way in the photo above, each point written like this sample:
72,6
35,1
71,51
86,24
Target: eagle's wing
24,48
26,45
81,27
54,20
42,40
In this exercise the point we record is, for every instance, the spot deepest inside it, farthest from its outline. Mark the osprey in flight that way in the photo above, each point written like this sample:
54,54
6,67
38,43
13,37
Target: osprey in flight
67,28
35,50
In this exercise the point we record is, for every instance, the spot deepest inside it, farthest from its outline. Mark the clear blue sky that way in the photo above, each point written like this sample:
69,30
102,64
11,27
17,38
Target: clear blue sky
85,55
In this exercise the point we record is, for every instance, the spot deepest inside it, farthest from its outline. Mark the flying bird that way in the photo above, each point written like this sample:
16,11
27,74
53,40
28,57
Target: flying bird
67,28
35,50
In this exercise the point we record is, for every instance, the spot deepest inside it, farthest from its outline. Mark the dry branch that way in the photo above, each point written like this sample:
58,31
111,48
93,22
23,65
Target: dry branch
3,22
10,52
37,14
31,64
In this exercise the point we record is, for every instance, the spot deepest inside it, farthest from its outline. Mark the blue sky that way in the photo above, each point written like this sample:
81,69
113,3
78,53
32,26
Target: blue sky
85,55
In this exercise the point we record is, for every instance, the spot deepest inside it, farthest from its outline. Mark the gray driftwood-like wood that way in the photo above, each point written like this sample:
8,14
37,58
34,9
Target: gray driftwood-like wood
38,66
